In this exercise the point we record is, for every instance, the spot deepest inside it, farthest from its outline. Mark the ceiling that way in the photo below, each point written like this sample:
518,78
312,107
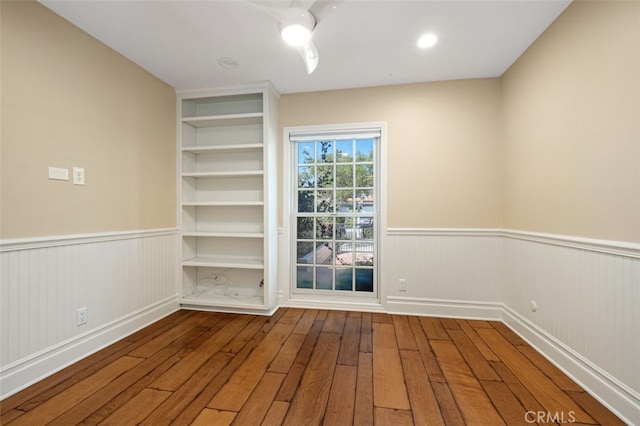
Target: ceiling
361,43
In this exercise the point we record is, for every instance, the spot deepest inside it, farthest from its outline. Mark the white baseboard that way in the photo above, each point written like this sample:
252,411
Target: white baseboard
27,371
444,308
334,305
620,399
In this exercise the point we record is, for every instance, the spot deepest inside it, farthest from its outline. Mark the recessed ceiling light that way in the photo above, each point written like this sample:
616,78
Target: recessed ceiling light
227,62
427,40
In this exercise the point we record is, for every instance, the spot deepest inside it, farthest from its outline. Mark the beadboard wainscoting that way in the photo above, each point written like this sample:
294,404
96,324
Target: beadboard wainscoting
574,299
447,272
126,281
577,301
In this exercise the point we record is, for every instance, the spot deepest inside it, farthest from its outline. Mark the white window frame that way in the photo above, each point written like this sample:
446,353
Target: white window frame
286,267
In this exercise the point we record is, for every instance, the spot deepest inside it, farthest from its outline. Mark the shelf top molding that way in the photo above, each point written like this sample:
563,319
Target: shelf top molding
262,87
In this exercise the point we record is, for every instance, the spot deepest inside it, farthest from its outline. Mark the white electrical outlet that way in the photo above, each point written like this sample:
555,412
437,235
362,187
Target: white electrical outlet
78,176
533,306
402,284
81,317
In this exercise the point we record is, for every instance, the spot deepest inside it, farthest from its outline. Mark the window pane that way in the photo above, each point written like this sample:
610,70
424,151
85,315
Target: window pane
324,228
335,246
344,200
324,278
306,177
344,279
324,202
364,175
324,254
367,231
344,151
364,253
304,277
364,200
344,228
305,252
364,280
325,176
324,151
364,150
344,176
305,228
306,201
344,256
306,152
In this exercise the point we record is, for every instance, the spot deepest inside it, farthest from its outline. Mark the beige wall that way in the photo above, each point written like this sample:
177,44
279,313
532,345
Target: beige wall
571,114
68,100
443,146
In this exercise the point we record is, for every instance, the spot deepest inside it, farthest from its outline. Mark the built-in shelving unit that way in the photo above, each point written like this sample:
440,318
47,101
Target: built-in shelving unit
228,211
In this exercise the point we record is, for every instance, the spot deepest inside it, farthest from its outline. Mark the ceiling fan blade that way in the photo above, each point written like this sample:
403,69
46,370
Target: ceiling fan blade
309,55
286,15
321,8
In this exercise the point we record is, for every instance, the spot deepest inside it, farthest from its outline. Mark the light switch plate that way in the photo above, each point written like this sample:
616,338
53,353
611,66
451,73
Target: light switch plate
58,173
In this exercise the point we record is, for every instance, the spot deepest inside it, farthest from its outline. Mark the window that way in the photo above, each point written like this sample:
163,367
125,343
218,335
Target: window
334,226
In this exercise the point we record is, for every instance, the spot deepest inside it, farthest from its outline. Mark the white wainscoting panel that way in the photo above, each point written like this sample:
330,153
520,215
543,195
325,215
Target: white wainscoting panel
587,314
448,272
125,280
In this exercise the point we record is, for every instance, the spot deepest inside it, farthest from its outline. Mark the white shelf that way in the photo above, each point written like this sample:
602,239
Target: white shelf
213,149
223,174
214,300
225,262
224,120
222,203
223,234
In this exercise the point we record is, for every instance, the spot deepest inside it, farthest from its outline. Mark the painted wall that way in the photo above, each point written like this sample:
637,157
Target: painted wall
443,160
69,100
571,120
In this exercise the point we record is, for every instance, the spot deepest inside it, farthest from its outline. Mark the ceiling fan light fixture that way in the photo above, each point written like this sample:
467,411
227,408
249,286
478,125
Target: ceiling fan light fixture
427,40
296,34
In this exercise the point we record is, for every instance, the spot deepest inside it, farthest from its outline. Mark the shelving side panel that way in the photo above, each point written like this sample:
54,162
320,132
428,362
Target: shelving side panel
223,189
270,135
241,219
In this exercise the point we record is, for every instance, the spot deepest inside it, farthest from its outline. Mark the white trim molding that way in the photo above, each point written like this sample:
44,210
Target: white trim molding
430,232
618,248
444,308
73,239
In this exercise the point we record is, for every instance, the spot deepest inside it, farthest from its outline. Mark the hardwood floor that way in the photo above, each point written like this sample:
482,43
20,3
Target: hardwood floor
306,367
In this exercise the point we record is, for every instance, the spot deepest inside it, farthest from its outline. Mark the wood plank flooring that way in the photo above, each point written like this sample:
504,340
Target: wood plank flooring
310,367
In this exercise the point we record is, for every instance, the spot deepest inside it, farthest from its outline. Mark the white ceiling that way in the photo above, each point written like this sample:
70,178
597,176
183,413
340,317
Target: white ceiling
362,43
